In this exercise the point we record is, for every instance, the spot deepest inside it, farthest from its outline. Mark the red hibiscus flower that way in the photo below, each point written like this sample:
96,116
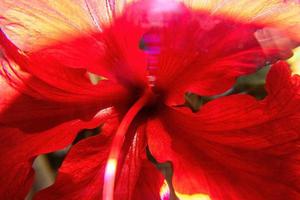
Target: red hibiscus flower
148,54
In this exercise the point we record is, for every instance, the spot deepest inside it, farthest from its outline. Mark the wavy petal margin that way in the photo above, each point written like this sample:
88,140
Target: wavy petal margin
236,147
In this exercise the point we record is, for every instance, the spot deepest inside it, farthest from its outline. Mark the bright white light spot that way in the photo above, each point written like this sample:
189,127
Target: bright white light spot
110,169
109,179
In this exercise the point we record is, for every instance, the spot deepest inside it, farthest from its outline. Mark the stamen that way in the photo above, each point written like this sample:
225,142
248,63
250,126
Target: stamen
117,143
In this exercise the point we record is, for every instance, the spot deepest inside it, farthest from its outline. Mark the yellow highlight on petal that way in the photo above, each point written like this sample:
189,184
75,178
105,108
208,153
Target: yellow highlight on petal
165,192
295,61
192,196
275,13
35,23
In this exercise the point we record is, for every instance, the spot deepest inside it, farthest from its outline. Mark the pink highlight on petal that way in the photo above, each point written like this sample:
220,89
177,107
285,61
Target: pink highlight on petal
161,6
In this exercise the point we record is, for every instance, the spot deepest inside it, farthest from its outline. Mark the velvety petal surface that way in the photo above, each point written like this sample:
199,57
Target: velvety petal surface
206,52
32,105
39,72
149,183
138,177
19,149
113,54
82,172
235,147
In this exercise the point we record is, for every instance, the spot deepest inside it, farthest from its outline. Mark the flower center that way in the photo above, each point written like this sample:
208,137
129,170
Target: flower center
117,143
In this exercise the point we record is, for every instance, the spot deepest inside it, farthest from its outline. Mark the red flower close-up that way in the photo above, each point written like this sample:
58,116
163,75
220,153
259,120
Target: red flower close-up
158,84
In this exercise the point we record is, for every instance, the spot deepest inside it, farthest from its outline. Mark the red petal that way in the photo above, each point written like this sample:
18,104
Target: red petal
19,149
82,173
113,53
149,182
236,147
204,51
75,40
123,56
138,178
205,55
52,79
31,112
